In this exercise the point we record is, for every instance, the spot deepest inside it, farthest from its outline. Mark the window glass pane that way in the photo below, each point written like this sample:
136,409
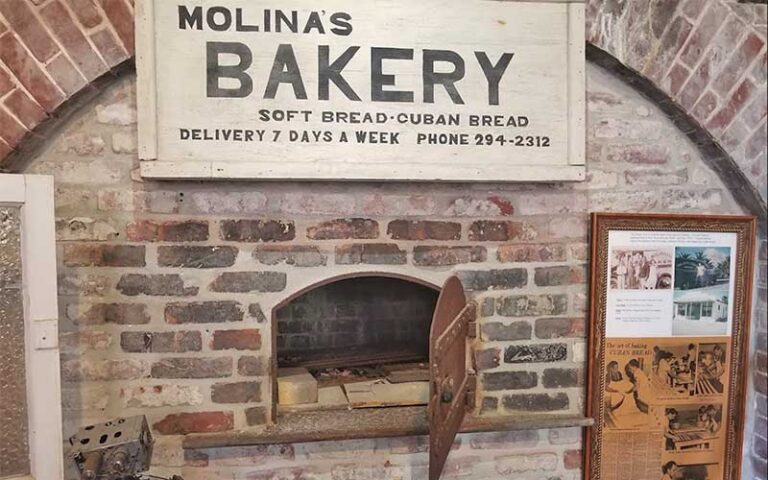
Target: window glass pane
14,448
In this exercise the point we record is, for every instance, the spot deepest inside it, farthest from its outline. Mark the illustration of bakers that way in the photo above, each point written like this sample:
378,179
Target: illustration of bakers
641,385
628,395
674,369
673,471
614,386
692,428
711,368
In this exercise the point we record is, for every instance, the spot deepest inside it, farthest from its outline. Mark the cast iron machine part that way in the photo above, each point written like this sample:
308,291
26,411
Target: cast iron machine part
120,449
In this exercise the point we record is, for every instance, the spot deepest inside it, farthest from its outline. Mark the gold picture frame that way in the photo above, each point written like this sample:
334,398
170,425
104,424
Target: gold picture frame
609,445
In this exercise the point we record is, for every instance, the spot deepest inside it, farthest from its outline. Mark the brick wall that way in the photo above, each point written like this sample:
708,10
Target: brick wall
166,288
707,55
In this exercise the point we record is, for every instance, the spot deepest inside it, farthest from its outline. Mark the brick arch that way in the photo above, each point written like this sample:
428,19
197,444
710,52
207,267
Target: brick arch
708,56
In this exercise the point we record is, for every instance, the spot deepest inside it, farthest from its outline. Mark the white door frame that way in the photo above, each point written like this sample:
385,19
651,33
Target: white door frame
34,194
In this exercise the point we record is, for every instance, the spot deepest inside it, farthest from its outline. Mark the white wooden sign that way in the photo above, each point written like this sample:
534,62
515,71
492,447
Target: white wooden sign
450,90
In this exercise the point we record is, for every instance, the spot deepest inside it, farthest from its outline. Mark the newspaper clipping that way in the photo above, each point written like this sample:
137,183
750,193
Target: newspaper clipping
668,325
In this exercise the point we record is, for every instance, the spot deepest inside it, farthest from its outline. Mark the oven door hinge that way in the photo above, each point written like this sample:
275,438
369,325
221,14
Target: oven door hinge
471,390
472,323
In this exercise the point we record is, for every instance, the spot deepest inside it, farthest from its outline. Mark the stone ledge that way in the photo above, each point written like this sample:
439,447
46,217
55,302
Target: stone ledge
369,423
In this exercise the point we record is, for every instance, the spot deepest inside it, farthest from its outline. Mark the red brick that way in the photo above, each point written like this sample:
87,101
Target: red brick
151,231
499,231
677,77
761,383
192,367
73,40
738,63
673,39
246,339
256,416
257,230
28,72
86,12
238,392
646,153
197,422
572,459
661,15
5,149
703,34
695,86
11,131
6,83
760,71
65,75
704,107
25,109
693,8
25,24
531,253
725,115
487,359
721,45
423,230
755,145
370,253
734,136
424,255
107,45
756,111
761,361
560,327
341,228
121,17
86,255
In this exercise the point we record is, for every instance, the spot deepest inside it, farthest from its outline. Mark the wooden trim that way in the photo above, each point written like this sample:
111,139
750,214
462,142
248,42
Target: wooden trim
41,320
745,227
12,189
370,423
35,194
577,85
300,171
145,84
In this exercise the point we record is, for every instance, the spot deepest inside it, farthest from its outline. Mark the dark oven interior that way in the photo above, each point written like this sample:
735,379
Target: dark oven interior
361,341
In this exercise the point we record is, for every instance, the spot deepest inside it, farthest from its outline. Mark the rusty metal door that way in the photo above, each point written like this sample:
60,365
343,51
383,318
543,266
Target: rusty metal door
451,385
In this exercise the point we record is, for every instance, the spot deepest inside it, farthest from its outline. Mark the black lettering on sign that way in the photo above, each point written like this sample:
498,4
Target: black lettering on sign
224,14
447,80
314,22
215,71
285,69
291,23
493,73
379,80
342,21
191,20
331,72
240,26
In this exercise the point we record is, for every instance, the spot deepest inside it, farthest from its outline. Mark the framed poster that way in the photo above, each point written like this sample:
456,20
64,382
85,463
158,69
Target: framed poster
669,318
434,90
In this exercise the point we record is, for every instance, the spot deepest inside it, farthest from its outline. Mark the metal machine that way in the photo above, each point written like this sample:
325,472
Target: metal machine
120,449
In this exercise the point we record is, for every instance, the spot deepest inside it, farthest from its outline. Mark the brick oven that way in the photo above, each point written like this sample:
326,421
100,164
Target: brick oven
171,295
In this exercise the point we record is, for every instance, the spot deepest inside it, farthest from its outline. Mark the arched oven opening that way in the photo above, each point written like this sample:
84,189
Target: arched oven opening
354,342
